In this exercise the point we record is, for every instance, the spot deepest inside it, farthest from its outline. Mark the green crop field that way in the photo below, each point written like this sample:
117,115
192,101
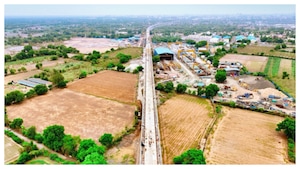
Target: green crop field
293,68
275,67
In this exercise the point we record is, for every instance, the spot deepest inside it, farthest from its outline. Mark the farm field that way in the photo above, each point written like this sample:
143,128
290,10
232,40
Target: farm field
253,49
114,85
274,69
183,120
80,114
252,63
11,150
246,137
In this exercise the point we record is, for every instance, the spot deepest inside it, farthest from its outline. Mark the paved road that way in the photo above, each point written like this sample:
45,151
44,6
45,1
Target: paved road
150,151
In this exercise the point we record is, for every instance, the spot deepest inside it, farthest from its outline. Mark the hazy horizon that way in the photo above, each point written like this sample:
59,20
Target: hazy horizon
144,10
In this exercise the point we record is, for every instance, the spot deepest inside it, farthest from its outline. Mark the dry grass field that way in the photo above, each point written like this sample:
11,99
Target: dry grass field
246,137
114,85
11,150
253,49
183,120
252,63
80,114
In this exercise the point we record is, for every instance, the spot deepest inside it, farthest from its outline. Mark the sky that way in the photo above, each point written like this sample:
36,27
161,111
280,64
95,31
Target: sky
144,9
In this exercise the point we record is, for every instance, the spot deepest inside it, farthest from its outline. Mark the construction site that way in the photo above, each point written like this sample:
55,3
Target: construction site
193,69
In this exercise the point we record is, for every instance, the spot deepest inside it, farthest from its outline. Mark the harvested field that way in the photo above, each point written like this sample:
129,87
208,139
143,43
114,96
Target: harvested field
246,137
252,63
11,150
80,114
285,66
114,85
183,120
87,45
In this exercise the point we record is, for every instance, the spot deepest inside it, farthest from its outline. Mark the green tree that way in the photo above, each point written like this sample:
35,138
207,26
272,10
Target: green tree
12,71
190,41
139,68
284,75
215,62
31,132
200,44
14,97
53,137
200,91
160,87
181,88
106,139
120,67
16,123
192,156
27,48
69,145
7,58
39,138
23,158
30,93
169,87
94,158
288,126
283,46
211,90
82,74
88,146
156,59
40,89
57,79
39,65
220,76
110,65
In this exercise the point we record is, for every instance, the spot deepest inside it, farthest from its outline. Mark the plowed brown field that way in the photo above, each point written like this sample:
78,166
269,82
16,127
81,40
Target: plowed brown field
247,137
80,114
114,85
183,120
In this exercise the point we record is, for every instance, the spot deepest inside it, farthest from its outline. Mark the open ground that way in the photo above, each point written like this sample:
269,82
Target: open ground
11,149
80,114
183,120
118,86
246,137
87,45
252,63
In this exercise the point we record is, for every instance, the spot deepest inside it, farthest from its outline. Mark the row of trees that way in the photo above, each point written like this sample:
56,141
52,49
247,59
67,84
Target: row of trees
29,52
17,96
210,91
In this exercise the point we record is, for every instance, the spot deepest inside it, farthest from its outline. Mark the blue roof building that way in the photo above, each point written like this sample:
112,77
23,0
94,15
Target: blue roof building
217,36
251,37
240,37
226,37
164,53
